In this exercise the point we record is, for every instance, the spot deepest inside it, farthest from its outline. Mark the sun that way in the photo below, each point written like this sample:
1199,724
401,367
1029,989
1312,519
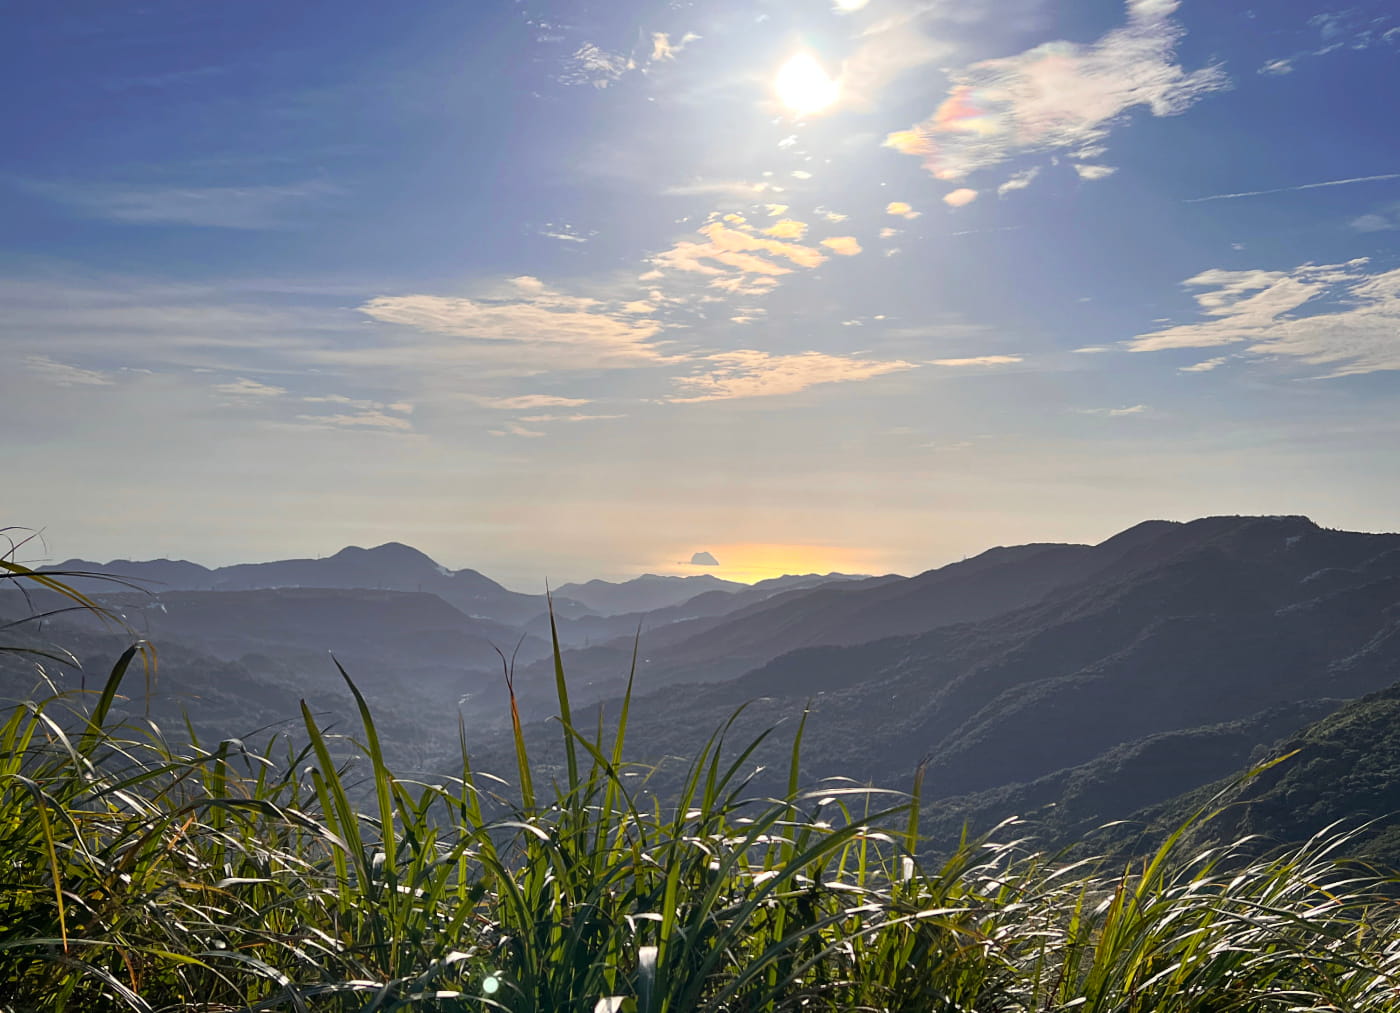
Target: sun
804,87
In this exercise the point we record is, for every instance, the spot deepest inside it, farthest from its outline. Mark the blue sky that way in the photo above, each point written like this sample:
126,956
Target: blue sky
572,290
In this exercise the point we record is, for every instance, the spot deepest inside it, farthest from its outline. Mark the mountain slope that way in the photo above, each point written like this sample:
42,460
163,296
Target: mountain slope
1187,637
1346,769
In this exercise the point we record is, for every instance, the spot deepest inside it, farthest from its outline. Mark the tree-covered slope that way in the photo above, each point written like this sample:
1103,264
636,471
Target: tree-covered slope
1344,768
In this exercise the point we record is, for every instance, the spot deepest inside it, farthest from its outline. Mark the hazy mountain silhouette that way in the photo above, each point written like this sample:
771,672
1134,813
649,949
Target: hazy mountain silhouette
389,567
649,591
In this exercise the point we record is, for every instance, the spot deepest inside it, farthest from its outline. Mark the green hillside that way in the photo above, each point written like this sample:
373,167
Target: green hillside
1345,769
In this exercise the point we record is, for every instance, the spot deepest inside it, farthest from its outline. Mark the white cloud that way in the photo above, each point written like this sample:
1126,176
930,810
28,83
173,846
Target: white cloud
369,419
741,260
515,429
979,360
786,228
1379,221
524,402
1276,68
1093,172
750,373
662,48
243,387
568,418
740,188
844,246
595,66
1018,181
1206,366
744,284
1352,329
63,374
1136,409
528,328
1058,95
960,197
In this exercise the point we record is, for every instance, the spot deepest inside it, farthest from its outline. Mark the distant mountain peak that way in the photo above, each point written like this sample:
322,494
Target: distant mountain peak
395,550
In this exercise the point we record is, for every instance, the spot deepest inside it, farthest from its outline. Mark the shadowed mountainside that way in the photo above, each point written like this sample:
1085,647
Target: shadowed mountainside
1200,636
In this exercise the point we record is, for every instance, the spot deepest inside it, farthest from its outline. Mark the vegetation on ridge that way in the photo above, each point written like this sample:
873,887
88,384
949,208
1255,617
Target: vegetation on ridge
145,873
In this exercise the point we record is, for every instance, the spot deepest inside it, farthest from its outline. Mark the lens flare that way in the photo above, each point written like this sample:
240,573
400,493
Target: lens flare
804,87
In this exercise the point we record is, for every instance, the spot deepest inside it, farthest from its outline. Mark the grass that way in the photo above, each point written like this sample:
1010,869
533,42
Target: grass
140,871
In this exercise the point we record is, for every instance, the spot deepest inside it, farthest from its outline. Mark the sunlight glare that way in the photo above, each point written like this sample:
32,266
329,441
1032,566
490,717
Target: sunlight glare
803,86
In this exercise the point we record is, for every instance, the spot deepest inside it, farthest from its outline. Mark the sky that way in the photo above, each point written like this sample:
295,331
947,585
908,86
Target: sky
571,290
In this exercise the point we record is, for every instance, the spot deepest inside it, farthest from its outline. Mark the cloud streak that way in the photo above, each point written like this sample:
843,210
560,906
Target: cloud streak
1352,329
1292,189
748,373
979,360
63,374
221,207
530,329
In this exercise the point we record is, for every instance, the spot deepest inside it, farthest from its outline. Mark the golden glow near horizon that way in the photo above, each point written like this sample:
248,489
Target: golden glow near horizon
749,562
804,86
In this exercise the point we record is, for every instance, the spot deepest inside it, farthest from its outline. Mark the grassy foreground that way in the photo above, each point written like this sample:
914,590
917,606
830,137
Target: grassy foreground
140,872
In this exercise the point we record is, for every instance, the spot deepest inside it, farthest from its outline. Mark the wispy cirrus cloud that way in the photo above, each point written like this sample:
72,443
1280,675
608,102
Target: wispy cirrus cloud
1347,30
343,412
525,402
1059,95
739,188
1352,329
63,374
1018,180
1382,220
516,429
369,418
750,373
979,360
574,417
529,328
220,207
243,387
1206,365
1136,409
590,64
